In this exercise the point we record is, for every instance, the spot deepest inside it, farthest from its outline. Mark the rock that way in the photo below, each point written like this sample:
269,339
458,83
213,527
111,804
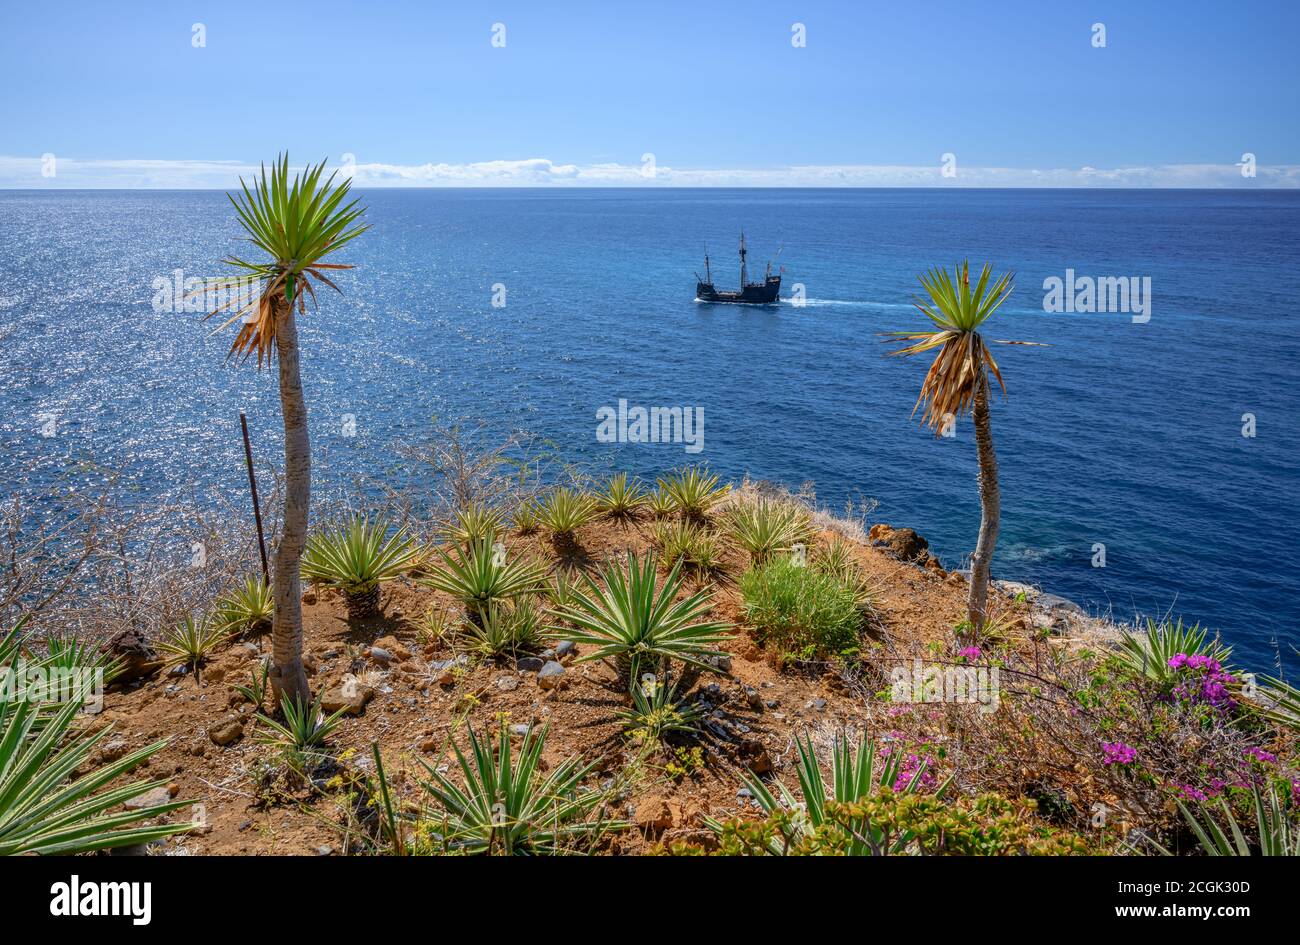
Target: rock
393,646
551,675
226,730
818,704
565,649
113,750
159,795
309,596
720,662
214,674
1053,604
755,754
325,850
902,543
529,664
507,683
519,730
653,815
135,655
379,655
754,700
350,695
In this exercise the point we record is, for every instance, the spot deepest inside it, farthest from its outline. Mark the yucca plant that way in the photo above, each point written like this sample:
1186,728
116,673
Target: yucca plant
305,729
505,629
249,608
296,223
764,527
473,522
561,589
855,776
190,643
507,805
637,622
475,577
66,653
527,519
255,691
621,497
564,511
1276,830
46,808
958,382
692,544
1148,654
1279,701
659,503
657,712
693,490
356,557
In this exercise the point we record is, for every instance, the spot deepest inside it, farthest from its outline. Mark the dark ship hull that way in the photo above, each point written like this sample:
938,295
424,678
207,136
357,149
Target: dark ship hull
754,293
751,293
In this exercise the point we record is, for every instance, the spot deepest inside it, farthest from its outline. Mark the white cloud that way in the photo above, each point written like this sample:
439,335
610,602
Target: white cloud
26,172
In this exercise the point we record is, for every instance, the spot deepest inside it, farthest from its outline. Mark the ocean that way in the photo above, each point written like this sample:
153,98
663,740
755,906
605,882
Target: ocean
1125,432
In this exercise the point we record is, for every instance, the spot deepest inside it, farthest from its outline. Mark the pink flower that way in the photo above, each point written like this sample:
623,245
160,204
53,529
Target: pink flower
1117,753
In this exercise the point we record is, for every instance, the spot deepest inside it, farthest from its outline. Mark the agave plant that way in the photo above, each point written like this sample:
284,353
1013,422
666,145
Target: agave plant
250,608
621,497
296,223
356,557
190,643
473,522
304,731
564,511
506,804
693,490
855,776
477,577
505,629
765,527
958,382
1276,828
637,622
657,712
46,808
1148,654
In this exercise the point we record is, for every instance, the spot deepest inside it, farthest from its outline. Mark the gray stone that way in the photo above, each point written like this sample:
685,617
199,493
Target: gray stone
566,648
519,730
507,683
159,795
551,675
529,664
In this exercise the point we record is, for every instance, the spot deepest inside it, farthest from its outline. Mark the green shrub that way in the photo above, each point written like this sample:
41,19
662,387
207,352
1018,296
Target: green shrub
191,643
1148,654
503,629
657,712
804,612
689,543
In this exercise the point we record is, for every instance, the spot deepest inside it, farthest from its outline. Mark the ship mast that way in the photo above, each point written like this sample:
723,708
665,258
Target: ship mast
708,274
743,273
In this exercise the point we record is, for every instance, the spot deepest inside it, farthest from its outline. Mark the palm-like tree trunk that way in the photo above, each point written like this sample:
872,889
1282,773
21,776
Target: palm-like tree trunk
990,508
287,674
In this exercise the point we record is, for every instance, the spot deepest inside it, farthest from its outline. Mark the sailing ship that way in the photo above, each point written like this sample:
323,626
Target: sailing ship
751,293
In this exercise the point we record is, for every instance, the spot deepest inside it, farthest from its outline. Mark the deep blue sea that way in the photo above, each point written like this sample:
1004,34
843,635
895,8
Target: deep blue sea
1121,433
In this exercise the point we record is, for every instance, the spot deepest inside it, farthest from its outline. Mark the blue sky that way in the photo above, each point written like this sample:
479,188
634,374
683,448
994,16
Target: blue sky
581,91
